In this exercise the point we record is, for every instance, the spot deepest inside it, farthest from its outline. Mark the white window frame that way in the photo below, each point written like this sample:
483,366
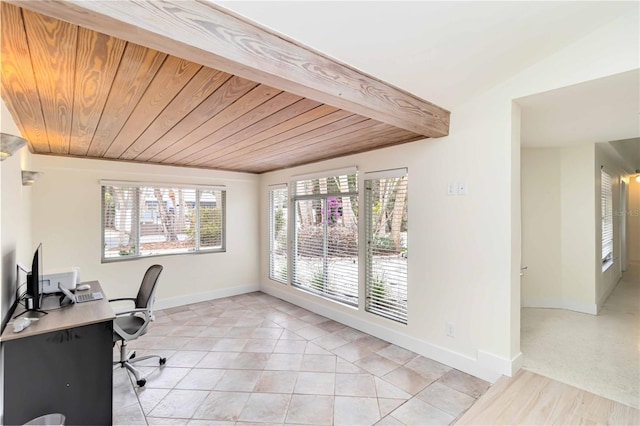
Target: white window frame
392,281
606,201
322,198
136,218
278,275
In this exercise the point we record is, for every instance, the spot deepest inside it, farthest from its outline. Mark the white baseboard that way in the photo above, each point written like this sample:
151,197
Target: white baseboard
507,367
585,308
188,299
516,364
485,366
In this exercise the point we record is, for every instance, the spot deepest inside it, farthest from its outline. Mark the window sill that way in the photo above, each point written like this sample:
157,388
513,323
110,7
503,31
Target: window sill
146,256
607,265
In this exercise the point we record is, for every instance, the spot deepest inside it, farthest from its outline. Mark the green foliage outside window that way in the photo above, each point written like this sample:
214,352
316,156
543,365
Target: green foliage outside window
210,226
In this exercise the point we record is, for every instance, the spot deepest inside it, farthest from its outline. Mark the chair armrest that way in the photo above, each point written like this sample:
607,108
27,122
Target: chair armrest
120,299
133,311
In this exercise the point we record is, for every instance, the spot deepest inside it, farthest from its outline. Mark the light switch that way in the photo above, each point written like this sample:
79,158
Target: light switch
462,188
452,188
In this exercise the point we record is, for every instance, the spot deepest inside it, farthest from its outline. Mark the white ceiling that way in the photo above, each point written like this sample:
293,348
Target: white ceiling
629,149
602,110
444,52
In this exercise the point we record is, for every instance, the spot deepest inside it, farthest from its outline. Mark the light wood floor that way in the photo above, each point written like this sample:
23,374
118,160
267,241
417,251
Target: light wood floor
528,398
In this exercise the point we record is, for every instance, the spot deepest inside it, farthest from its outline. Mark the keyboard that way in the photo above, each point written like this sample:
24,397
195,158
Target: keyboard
88,297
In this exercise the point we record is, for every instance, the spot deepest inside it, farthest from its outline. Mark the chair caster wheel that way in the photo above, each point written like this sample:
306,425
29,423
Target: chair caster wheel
163,361
133,355
141,382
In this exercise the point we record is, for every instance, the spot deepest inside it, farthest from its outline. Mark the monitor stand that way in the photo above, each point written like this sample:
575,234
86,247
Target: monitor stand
30,310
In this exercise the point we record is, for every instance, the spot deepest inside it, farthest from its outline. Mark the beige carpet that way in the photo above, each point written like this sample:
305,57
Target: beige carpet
600,353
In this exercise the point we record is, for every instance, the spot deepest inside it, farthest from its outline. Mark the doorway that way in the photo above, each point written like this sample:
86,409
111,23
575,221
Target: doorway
561,338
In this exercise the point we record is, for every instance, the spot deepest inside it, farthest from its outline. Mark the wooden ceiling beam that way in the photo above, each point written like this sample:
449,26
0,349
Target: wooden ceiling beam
210,35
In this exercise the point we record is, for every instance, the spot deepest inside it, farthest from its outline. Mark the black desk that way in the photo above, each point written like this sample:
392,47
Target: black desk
61,364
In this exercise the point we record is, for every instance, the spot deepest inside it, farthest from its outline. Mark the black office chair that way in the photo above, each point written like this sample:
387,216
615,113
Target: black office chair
131,324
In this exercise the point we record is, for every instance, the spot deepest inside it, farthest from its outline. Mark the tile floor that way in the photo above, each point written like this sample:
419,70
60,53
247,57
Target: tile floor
256,359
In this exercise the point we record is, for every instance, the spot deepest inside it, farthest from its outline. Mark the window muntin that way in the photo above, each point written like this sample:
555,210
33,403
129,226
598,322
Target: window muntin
326,237
606,198
145,220
278,220
386,284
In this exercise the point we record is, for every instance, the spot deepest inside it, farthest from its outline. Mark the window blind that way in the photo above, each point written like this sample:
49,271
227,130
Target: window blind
606,197
278,219
386,206
326,236
140,221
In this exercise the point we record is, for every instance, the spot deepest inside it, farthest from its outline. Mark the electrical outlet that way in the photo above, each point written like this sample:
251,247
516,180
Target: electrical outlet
451,329
452,188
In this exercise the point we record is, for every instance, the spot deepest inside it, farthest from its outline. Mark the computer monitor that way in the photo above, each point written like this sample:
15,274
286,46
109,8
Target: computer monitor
34,278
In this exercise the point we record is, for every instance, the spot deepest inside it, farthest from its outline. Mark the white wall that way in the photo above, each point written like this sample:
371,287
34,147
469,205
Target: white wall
578,219
633,221
541,236
66,219
15,215
465,258
15,223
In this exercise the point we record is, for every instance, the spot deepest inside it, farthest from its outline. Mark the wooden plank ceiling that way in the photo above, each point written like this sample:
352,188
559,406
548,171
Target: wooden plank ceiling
78,92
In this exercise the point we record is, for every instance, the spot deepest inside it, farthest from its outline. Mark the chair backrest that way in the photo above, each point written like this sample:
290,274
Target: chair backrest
147,292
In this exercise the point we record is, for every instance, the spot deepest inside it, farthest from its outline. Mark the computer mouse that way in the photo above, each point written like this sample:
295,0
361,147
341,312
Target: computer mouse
83,287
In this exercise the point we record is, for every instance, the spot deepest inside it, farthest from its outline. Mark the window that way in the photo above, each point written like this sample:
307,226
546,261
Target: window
278,233
386,205
606,197
140,220
326,235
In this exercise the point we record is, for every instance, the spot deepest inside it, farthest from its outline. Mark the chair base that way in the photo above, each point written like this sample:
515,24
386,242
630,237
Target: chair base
127,360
